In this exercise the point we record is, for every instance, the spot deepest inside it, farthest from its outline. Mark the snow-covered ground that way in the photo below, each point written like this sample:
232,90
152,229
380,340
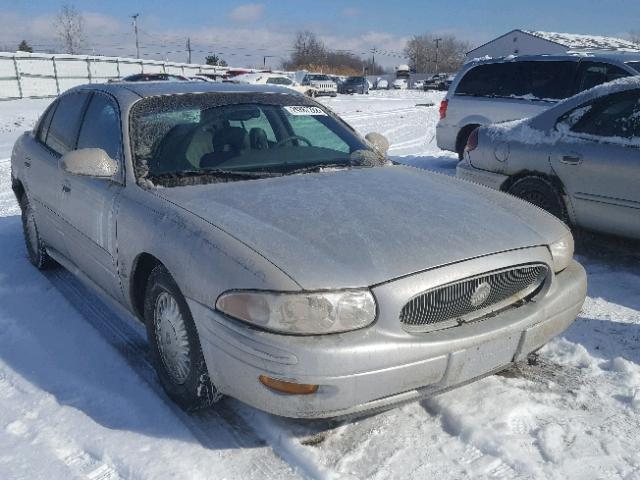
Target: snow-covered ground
79,400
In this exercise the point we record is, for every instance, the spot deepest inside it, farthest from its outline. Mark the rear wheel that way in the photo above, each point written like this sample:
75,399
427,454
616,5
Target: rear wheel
542,193
174,344
36,250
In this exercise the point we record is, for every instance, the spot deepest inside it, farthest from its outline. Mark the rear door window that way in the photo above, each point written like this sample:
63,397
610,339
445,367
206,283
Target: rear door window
615,116
547,80
591,74
65,124
535,80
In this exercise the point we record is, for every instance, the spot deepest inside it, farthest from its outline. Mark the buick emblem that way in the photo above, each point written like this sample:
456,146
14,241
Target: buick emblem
480,294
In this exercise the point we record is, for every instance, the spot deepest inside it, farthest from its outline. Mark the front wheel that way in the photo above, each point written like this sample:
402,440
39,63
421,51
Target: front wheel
175,347
36,249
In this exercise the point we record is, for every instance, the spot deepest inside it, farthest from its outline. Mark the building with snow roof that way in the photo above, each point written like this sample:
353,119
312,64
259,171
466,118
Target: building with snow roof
528,42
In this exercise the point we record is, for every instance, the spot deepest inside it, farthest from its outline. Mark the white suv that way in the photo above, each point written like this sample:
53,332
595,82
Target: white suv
318,84
511,88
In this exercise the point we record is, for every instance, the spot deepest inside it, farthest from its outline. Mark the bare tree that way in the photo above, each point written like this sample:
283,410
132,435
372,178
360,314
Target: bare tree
310,53
308,50
429,53
70,29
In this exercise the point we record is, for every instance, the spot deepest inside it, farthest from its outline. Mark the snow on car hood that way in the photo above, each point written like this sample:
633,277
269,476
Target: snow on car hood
361,227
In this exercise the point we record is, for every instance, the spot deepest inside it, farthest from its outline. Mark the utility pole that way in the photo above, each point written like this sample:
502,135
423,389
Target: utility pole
135,31
264,60
373,61
189,49
437,40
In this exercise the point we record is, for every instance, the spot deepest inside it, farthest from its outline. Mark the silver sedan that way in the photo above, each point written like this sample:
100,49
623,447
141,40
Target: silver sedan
276,256
580,160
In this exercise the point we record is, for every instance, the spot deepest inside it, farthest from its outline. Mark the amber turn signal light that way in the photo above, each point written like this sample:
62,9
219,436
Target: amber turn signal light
287,387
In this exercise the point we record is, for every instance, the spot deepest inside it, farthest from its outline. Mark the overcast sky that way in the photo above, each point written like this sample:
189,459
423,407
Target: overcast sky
243,33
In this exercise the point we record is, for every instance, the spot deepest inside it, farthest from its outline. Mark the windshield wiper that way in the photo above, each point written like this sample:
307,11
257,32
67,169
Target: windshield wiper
217,172
318,167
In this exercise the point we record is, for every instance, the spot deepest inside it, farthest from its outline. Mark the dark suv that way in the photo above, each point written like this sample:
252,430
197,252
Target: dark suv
354,85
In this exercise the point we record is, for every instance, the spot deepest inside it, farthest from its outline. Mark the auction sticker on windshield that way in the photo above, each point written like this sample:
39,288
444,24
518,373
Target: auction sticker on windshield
304,110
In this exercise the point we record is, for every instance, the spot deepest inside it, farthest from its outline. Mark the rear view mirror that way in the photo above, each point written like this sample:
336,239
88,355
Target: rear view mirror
378,141
89,162
243,114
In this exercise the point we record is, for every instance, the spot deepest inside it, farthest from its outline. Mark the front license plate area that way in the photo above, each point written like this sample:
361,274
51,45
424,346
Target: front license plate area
483,358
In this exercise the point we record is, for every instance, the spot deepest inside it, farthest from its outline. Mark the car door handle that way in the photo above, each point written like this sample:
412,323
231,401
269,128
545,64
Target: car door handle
571,159
27,163
66,188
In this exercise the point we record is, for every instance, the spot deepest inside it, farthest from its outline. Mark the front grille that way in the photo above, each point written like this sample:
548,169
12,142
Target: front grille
472,298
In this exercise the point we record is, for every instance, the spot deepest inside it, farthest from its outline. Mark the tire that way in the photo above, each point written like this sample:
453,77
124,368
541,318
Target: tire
178,360
36,249
542,193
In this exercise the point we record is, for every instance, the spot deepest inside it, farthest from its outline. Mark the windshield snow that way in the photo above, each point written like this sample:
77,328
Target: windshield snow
198,134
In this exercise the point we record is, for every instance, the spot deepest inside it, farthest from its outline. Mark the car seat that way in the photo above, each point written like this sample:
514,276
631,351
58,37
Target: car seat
228,143
258,139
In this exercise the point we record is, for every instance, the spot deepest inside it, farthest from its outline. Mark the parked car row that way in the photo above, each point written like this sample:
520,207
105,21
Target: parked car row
311,84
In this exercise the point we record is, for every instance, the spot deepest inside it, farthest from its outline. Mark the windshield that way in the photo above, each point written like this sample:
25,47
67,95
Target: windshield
318,77
261,134
634,65
354,80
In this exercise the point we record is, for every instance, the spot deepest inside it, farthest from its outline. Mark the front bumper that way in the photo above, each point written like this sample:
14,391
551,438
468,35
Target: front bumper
349,91
374,368
325,93
489,179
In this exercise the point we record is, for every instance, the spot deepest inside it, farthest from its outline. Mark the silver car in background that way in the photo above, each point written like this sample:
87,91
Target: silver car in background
579,160
276,256
504,89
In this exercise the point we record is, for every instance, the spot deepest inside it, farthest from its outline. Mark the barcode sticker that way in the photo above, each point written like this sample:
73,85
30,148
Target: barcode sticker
304,110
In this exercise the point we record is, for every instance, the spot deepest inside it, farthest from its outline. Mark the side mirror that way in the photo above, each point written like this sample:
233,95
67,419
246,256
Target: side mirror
378,141
89,162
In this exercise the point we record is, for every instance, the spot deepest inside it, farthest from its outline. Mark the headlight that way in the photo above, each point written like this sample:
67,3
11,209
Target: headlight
302,313
562,252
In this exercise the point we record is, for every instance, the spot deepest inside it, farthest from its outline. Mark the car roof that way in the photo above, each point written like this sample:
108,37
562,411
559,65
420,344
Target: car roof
620,56
129,92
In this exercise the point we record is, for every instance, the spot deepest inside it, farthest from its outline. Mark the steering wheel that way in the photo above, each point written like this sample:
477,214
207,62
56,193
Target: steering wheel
284,141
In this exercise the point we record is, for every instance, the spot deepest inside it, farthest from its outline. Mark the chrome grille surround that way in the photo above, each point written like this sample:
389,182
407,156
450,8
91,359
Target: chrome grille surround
472,298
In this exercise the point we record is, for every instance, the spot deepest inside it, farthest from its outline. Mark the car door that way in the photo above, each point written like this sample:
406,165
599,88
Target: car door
598,161
90,205
56,135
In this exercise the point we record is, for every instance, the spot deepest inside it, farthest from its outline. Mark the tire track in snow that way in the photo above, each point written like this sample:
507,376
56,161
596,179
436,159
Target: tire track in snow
87,466
378,114
213,428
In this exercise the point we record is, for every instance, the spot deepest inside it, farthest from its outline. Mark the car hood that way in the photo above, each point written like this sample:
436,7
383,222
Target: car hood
361,227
